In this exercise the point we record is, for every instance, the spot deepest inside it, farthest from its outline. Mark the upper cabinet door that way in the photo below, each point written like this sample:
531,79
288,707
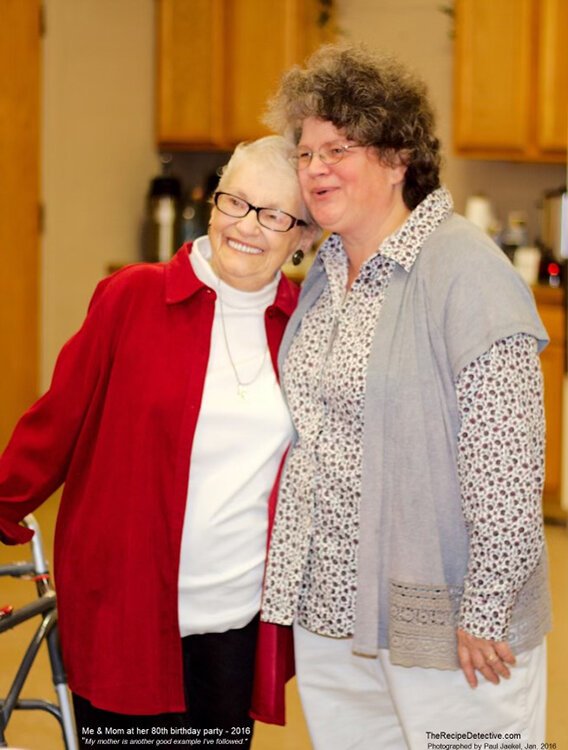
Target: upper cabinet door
510,79
553,75
264,39
190,67
493,54
218,61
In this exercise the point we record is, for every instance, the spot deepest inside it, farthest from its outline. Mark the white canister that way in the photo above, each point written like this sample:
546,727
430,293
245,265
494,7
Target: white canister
479,211
527,263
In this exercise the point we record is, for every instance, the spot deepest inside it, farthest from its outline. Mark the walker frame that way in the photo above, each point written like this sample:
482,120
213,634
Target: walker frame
45,607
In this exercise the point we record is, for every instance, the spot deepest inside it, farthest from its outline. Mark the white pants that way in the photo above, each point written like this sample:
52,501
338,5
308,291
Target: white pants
357,703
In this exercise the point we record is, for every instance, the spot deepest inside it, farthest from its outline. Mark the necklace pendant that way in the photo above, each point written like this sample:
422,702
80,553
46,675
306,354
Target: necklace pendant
241,392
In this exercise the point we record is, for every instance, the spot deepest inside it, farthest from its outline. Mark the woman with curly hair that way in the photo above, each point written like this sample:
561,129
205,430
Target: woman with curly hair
408,548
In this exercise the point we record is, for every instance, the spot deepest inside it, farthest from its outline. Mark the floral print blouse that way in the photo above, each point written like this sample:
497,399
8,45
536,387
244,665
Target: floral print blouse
312,569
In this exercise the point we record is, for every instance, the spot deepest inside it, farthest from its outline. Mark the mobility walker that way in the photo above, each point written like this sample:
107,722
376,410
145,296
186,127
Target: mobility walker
44,606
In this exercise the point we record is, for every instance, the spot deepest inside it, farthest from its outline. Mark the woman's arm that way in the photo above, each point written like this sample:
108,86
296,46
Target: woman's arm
501,469
35,461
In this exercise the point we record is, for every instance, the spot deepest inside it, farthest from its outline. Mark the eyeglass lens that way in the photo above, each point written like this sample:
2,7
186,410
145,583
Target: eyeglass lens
238,208
328,154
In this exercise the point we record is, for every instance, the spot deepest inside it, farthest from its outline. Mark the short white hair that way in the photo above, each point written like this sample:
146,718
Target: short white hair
273,152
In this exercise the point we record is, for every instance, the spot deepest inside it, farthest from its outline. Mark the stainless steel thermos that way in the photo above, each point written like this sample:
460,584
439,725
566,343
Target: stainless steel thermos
161,236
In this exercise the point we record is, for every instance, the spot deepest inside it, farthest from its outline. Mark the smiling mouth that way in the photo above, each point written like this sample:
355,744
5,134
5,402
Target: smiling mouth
320,192
242,248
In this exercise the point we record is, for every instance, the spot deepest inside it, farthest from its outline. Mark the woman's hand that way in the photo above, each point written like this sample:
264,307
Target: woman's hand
488,657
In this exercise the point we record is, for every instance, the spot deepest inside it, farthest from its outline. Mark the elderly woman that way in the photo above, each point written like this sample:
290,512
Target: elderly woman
166,422
409,525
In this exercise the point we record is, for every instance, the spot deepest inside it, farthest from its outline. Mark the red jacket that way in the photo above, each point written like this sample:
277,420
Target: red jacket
117,426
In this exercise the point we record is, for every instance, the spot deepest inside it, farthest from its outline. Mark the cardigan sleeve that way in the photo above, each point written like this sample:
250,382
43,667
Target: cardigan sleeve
475,296
501,468
35,461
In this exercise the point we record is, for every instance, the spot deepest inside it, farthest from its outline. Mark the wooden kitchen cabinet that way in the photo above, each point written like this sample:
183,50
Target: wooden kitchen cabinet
511,79
552,106
550,304
219,60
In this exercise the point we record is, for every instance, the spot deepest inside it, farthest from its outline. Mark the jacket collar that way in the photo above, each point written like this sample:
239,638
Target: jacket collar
181,283
181,280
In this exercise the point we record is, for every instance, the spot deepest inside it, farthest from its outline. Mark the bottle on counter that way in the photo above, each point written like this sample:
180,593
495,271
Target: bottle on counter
161,236
551,272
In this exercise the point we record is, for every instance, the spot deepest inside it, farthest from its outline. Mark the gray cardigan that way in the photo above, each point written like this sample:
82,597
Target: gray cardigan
460,296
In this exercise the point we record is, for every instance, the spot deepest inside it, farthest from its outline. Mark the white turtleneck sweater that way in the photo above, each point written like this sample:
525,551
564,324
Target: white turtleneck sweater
237,449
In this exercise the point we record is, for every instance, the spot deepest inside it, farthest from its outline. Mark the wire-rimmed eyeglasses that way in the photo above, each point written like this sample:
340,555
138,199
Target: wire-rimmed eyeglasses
329,153
270,218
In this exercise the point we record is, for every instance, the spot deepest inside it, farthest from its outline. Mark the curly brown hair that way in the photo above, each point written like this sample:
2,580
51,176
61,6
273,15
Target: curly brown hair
374,99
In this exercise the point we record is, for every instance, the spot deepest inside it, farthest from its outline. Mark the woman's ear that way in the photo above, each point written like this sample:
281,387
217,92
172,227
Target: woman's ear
400,164
398,173
396,161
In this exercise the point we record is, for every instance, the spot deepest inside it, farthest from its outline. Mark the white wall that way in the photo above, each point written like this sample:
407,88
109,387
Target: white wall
98,151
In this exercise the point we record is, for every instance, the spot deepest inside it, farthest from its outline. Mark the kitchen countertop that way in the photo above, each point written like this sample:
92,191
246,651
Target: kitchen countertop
548,295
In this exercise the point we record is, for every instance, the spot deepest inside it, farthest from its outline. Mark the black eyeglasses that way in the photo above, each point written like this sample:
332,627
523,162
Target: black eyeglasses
270,218
329,153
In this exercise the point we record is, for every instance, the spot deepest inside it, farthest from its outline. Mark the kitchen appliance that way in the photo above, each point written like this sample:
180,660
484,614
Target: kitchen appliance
162,225
554,224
